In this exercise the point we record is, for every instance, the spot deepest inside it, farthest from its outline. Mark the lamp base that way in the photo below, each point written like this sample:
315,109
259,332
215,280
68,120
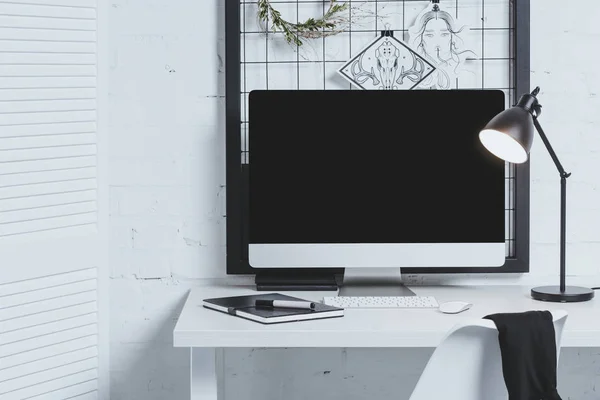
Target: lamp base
570,295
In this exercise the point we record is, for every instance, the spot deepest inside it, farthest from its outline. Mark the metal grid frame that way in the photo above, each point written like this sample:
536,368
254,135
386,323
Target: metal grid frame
237,157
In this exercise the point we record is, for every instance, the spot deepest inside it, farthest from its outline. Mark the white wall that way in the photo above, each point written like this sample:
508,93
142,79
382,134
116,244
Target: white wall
167,202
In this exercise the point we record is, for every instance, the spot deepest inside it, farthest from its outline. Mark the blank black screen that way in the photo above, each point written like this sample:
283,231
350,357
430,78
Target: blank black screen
358,166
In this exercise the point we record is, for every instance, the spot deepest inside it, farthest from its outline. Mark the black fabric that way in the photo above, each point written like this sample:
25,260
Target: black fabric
528,348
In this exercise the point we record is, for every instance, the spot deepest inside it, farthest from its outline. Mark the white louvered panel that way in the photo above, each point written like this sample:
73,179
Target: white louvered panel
47,34
46,82
46,228
46,118
43,295
47,23
48,363
24,203
44,153
48,390
46,47
53,164
48,281
28,178
46,106
9,337
47,58
34,10
46,188
48,200
70,3
50,232
47,129
63,313
31,345
44,353
91,395
46,376
49,334
28,142
47,305
41,225
81,391
48,54
47,212
26,191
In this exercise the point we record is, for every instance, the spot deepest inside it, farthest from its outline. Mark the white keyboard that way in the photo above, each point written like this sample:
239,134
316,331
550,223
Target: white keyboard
381,301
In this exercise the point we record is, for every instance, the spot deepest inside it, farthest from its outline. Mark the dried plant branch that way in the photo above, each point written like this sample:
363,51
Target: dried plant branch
331,23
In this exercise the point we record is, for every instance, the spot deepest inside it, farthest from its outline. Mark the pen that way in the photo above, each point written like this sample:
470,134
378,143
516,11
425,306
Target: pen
285,304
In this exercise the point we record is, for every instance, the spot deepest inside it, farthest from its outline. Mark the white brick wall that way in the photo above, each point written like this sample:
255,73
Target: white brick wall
167,202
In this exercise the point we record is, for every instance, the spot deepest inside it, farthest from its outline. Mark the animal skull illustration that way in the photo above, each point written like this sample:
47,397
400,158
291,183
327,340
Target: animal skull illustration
387,62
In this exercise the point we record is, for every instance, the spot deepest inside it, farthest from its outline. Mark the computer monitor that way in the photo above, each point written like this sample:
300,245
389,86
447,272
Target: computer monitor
374,179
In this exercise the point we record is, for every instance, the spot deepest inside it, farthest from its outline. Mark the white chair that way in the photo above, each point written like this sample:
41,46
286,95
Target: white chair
467,365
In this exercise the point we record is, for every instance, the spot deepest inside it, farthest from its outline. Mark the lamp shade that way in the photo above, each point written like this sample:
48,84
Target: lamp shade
509,135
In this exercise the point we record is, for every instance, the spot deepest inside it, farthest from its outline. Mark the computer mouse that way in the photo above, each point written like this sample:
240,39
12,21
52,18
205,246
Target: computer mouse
454,307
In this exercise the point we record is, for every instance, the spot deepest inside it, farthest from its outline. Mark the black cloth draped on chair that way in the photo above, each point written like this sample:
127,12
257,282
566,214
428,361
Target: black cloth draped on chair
528,348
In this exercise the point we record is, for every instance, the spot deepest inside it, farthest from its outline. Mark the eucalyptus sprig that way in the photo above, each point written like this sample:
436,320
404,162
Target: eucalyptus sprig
329,24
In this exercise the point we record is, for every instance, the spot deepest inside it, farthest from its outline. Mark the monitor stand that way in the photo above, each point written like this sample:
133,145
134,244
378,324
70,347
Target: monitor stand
373,282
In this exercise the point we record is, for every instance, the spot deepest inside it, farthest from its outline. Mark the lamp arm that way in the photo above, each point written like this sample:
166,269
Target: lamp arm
563,204
540,131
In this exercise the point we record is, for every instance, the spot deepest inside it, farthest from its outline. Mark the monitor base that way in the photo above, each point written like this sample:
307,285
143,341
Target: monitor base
373,282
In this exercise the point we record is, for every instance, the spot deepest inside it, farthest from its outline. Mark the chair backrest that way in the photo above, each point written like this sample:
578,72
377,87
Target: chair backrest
467,365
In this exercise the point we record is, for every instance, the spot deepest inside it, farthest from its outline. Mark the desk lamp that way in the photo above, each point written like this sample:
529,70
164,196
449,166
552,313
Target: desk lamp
509,136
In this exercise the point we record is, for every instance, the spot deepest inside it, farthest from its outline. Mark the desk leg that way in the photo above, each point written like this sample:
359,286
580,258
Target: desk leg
206,383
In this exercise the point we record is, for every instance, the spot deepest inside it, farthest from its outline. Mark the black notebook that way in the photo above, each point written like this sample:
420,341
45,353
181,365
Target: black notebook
243,306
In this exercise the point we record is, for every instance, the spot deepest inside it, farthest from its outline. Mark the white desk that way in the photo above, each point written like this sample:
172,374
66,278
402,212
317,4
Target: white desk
207,332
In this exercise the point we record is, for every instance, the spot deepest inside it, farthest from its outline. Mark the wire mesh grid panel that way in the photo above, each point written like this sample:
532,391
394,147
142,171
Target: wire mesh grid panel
477,48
